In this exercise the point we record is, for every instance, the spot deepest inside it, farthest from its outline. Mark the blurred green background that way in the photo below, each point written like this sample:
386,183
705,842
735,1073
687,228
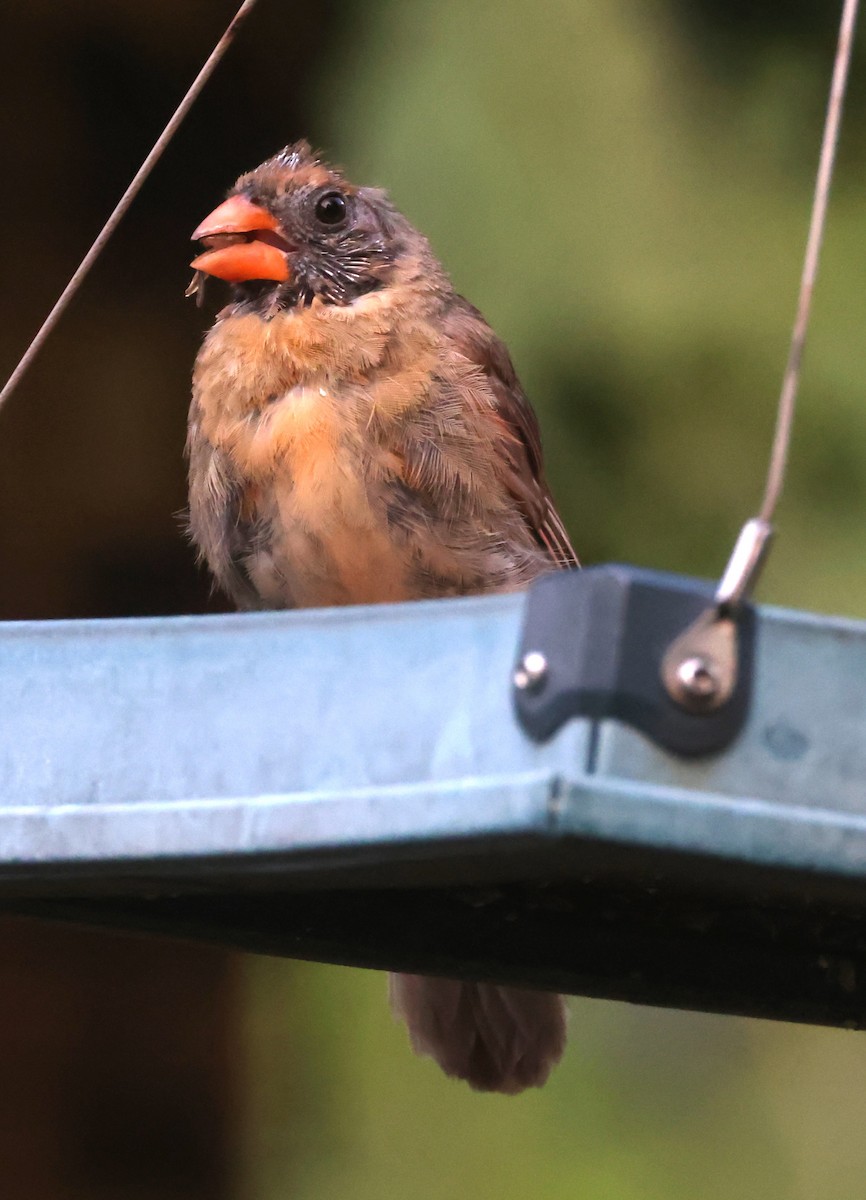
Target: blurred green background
623,188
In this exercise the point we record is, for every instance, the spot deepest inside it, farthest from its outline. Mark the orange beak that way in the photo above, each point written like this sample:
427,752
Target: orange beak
243,242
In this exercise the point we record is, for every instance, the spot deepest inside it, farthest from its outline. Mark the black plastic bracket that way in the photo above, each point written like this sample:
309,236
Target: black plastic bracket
597,638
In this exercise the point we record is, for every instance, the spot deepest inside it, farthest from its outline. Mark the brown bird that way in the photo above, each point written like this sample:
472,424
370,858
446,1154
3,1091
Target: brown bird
358,434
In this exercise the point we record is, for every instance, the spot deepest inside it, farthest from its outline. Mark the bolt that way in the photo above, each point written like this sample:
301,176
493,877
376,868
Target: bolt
697,679
531,672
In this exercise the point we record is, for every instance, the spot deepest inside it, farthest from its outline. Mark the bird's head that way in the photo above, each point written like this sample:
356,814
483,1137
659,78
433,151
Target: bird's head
295,229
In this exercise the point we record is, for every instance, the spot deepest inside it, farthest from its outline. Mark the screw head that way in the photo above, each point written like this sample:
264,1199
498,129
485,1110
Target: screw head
697,679
531,672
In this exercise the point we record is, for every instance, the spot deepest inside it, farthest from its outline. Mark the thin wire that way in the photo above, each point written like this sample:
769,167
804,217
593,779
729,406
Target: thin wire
126,199
791,379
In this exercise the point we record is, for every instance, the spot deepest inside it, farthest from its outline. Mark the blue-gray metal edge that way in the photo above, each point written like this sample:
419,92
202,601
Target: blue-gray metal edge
385,732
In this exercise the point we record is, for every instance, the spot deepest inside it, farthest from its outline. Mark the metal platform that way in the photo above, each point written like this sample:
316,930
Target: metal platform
352,785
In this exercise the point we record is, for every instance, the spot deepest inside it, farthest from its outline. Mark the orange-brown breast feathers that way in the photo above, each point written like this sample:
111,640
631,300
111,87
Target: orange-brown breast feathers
292,407
387,450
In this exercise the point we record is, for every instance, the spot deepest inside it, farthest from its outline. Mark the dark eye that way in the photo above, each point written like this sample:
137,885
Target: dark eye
331,208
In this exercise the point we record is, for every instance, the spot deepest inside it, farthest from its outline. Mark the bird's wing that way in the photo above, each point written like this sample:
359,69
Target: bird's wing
520,458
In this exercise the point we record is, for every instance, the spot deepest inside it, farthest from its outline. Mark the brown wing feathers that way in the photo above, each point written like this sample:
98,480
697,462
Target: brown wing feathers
520,462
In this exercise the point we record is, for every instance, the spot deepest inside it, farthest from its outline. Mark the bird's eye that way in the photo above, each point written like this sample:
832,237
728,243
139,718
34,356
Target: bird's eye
331,208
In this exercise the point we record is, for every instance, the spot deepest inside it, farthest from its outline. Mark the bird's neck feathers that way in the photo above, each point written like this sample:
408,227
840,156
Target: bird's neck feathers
250,360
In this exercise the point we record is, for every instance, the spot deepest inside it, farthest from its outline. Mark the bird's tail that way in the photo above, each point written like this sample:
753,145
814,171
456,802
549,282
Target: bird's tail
499,1039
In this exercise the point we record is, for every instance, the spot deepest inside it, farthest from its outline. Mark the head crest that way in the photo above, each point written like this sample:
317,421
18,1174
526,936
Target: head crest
296,154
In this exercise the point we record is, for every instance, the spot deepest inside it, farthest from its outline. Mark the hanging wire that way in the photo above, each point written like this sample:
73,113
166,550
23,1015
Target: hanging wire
741,573
126,199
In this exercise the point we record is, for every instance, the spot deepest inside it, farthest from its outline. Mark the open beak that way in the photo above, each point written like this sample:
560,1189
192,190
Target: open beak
243,242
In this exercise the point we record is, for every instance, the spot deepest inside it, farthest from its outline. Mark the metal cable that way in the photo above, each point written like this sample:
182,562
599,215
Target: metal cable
753,542
126,200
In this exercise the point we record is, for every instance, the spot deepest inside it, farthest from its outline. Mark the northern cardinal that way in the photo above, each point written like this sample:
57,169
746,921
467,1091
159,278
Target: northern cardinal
358,434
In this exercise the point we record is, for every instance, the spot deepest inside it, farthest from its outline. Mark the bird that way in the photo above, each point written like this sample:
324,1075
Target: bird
358,434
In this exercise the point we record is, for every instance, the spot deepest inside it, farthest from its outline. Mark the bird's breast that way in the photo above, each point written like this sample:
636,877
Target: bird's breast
312,495
312,420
